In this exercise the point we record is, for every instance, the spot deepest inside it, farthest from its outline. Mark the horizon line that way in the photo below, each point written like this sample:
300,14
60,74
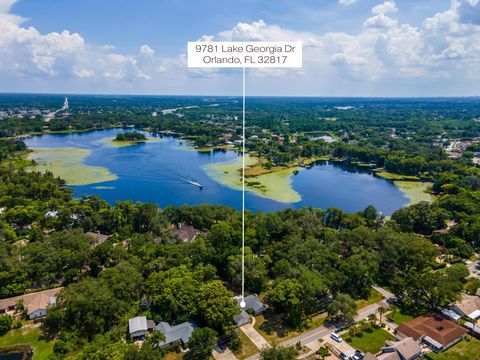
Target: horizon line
239,96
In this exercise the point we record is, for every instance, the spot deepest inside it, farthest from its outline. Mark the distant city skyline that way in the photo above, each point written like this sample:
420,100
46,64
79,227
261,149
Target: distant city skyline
351,47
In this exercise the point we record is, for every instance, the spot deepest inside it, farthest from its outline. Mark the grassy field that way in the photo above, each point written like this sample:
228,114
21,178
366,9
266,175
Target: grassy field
247,347
416,191
277,331
68,163
274,331
374,297
371,342
32,336
392,176
273,185
468,349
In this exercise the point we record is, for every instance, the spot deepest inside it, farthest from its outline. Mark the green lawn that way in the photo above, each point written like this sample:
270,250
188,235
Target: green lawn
374,297
371,342
468,349
274,330
31,336
401,317
277,331
247,347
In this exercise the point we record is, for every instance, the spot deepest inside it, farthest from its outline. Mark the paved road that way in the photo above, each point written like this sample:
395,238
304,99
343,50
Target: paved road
323,331
387,294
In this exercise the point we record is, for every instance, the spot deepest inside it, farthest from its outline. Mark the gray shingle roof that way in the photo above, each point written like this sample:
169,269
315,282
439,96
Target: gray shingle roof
242,318
176,333
252,302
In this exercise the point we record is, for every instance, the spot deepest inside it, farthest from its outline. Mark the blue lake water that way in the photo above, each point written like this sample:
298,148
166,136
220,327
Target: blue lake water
153,172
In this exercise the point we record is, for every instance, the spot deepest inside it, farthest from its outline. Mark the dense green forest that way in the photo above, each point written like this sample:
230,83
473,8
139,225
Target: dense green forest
303,260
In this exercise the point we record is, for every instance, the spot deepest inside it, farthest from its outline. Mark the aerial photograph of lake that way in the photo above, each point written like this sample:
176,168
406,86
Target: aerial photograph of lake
165,169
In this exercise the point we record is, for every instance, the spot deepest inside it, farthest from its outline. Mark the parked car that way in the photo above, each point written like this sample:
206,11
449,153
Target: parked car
360,354
344,356
336,337
356,357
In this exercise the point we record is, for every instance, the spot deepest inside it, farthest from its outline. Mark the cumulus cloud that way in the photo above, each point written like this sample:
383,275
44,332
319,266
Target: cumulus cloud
26,51
384,8
385,48
443,45
147,51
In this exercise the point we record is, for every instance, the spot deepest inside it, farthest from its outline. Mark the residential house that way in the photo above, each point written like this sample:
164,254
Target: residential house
177,335
186,233
36,304
435,331
468,306
138,327
451,314
405,349
98,238
252,303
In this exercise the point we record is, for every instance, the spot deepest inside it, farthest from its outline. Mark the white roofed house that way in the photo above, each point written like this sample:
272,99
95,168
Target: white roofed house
138,327
468,306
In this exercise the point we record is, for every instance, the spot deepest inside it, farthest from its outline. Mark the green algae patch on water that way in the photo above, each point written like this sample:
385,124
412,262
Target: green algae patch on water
110,141
276,185
415,191
69,164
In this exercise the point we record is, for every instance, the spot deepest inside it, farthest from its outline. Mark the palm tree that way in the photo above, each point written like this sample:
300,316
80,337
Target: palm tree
156,337
381,311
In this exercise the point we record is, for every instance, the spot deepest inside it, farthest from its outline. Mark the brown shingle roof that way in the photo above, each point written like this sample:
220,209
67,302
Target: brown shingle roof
98,238
32,301
406,347
468,304
441,330
185,232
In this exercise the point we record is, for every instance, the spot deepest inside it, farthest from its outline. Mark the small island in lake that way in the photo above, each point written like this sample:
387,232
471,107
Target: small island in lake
130,136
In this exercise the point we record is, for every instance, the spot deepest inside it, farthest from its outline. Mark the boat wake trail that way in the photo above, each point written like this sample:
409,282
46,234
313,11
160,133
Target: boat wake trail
168,174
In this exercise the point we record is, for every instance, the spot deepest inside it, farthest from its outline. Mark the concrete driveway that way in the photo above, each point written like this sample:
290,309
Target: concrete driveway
341,347
255,336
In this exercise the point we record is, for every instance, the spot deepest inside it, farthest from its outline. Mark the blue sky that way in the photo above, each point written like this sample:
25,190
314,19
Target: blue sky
351,47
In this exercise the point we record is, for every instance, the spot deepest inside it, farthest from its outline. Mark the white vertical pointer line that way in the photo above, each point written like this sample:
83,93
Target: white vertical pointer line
243,191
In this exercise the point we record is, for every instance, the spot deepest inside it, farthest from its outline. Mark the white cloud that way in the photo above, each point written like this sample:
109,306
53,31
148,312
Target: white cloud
347,2
83,73
443,46
380,21
385,7
147,51
26,51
